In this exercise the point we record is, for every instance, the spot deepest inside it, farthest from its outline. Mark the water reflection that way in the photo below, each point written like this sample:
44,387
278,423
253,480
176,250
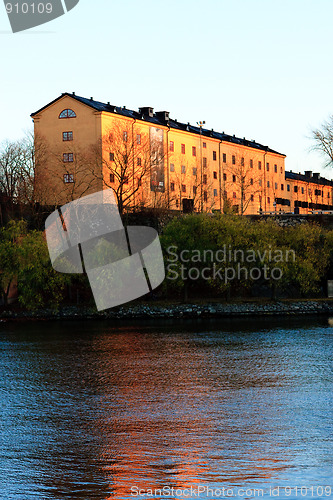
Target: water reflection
91,410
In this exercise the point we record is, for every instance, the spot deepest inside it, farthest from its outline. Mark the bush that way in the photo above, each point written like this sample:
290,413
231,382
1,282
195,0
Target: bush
299,256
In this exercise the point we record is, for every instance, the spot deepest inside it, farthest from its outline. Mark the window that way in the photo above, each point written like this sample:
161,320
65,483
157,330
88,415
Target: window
183,188
125,136
172,186
225,194
224,158
215,192
183,169
204,162
177,203
252,197
281,170
138,162
282,187
251,163
303,192
194,151
275,169
194,170
204,178
295,189
205,195
233,178
233,159
183,149
251,182
276,186
111,178
125,181
242,162
68,178
260,199
318,192
67,136
204,145
68,157
172,167
268,200
224,177
111,156
259,165
194,190
138,138
288,187
172,146
67,113
215,175
234,195
260,182
268,184
214,156
267,167
328,194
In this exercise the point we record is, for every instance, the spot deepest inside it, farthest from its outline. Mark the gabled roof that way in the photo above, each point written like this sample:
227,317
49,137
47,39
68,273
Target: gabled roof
154,120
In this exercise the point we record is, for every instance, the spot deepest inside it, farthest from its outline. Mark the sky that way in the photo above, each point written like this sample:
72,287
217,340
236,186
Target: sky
260,69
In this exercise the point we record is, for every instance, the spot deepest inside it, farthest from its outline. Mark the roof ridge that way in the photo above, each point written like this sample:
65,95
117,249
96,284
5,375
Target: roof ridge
172,123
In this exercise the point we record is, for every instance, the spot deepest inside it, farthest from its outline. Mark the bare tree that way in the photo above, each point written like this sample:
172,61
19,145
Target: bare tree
322,139
190,184
243,180
18,171
62,175
11,167
34,153
129,159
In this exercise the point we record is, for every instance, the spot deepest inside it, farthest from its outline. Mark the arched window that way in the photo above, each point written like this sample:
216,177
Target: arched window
67,113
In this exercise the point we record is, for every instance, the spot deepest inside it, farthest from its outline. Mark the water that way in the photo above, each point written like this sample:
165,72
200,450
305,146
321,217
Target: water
92,410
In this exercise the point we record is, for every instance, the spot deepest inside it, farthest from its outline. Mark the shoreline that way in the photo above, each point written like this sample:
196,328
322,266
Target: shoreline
178,311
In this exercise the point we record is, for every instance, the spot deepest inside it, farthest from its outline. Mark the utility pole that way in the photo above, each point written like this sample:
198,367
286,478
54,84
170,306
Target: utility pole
200,125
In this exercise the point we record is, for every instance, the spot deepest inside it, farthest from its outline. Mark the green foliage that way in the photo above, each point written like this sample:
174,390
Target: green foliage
24,257
39,285
301,254
10,238
306,249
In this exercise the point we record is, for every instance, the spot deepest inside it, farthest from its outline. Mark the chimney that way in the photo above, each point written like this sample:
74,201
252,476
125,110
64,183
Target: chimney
308,173
316,176
163,116
147,112
73,93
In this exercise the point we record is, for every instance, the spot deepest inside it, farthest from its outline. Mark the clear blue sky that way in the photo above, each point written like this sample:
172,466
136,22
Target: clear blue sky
255,68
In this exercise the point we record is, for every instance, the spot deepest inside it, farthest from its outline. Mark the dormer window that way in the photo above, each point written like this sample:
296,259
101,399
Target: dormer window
67,113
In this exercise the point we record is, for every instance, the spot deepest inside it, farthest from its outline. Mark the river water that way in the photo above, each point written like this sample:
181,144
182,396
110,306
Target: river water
99,410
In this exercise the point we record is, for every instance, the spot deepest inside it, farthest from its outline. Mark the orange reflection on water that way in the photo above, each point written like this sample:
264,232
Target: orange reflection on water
168,424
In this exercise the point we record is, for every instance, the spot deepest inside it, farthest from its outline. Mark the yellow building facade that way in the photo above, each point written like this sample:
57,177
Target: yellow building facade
151,160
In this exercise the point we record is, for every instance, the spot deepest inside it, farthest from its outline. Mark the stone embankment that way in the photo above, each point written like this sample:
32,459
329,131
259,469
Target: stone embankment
170,311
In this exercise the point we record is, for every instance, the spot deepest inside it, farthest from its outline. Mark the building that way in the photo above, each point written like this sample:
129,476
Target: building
152,160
